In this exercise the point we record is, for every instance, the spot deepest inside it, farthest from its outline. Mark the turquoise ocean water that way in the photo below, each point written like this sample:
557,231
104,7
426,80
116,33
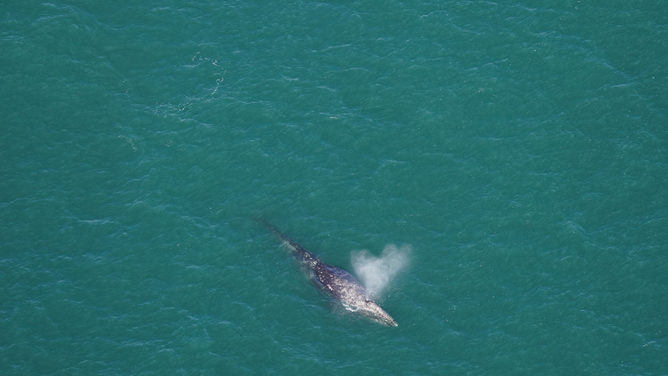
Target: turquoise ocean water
519,148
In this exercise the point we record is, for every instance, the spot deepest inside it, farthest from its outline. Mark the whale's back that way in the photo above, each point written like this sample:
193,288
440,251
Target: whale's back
339,283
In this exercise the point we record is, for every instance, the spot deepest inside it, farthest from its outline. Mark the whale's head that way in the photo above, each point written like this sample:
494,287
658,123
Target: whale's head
370,309
354,297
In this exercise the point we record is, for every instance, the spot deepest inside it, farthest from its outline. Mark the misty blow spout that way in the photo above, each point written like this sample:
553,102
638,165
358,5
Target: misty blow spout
377,272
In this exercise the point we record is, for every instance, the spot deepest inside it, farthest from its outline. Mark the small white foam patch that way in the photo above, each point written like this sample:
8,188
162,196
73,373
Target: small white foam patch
375,273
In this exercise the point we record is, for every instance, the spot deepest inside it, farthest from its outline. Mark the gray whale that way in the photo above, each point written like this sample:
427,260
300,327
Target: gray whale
336,282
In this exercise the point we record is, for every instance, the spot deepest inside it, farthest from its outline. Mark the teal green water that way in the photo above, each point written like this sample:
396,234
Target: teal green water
520,149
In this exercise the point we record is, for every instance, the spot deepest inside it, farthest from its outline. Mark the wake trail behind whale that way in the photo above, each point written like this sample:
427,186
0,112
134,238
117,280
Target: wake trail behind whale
376,273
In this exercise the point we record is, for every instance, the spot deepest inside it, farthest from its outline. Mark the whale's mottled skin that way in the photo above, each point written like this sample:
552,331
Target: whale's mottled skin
336,282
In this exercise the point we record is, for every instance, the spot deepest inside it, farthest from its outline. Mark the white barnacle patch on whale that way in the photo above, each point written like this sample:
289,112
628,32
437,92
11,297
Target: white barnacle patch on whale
350,308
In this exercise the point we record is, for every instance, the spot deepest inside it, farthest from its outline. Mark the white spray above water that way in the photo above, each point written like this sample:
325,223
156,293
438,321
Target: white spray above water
376,273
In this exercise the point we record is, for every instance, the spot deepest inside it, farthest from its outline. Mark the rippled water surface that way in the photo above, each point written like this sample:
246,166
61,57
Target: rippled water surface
519,150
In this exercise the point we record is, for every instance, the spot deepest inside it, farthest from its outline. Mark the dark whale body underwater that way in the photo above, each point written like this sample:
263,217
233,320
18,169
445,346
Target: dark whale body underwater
336,282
